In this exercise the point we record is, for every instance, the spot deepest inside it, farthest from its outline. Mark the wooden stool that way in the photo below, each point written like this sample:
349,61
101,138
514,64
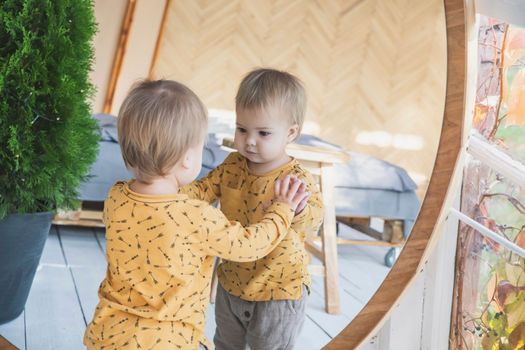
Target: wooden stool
325,247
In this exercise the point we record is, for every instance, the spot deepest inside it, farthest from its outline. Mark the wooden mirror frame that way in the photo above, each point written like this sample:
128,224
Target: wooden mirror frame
425,231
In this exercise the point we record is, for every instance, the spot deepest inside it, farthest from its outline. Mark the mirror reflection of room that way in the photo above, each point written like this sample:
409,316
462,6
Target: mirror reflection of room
374,76
374,93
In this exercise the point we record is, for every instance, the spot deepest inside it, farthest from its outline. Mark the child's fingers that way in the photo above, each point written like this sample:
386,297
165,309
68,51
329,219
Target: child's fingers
297,199
293,189
306,197
300,197
277,187
293,179
302,204
285,186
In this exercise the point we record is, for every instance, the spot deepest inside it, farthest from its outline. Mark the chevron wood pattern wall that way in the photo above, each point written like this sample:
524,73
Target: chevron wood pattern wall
374,70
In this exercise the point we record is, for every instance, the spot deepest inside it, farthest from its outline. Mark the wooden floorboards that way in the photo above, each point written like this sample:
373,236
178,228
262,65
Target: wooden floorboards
64,293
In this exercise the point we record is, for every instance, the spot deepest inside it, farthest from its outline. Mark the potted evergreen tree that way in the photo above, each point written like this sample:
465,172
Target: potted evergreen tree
48,139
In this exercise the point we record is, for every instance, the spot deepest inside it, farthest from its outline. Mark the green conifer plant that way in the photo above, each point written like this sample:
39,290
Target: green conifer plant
48,139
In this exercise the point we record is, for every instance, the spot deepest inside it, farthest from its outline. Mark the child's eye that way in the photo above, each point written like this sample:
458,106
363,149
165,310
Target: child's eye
264,133
241,130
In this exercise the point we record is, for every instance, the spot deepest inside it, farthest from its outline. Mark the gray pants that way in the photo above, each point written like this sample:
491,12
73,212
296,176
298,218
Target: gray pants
261,325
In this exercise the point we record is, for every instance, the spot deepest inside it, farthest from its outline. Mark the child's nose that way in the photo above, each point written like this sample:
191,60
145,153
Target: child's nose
250,141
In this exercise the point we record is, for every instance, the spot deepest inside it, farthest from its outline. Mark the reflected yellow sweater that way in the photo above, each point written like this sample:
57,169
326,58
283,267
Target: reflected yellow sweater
160,255
243,197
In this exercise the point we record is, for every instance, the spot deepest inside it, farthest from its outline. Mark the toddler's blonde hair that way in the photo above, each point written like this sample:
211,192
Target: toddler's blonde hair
157,123
265,87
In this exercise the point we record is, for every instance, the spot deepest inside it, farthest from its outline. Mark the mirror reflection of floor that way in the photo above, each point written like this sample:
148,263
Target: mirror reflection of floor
64,292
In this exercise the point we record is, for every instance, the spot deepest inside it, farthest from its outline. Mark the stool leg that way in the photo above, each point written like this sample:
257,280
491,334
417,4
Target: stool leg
329,243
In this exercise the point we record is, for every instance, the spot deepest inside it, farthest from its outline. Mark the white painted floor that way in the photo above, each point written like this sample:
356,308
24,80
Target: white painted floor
64,292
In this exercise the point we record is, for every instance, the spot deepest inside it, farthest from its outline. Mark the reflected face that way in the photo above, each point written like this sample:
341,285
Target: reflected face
261,135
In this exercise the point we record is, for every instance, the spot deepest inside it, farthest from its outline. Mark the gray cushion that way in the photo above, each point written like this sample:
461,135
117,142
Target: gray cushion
107,127
364,171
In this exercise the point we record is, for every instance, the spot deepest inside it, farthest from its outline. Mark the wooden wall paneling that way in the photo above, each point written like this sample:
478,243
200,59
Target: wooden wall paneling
368,66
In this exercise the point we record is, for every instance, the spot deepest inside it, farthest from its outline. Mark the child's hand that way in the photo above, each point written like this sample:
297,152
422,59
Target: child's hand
290,190
302,204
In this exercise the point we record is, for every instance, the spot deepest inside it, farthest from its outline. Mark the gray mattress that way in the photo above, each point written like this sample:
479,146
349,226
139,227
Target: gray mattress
365,186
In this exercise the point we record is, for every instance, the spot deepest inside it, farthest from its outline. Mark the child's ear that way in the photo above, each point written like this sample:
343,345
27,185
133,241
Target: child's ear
185,162
293,132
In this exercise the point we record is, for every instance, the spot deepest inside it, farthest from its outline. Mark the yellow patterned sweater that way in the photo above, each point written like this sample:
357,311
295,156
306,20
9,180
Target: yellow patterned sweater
160,256
243,197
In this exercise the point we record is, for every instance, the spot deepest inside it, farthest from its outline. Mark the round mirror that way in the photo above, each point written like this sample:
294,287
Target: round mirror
375,75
